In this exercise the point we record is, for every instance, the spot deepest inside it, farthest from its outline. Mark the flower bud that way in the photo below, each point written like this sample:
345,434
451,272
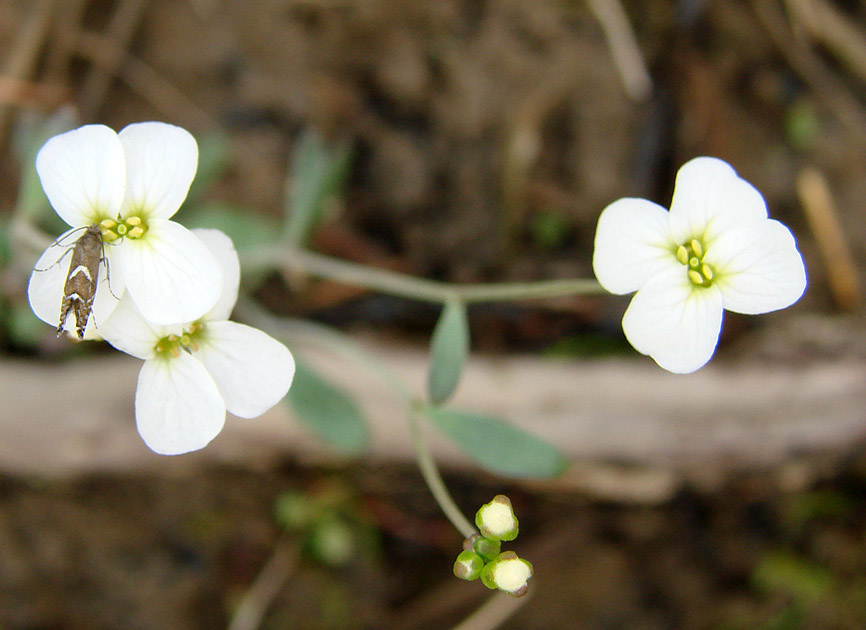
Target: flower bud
468,565
496,519
508,573
487,548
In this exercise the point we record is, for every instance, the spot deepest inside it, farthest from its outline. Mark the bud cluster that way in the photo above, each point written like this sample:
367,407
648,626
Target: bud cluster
482,555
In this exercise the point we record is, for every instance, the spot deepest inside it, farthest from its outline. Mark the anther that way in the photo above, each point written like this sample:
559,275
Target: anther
135,232
683,254
707,271
695,277
133,221
697,248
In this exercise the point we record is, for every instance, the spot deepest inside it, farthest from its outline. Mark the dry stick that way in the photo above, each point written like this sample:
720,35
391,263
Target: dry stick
493,613
814,73
623,48
258,598
832,28
67,24
152,86
31,94
22,61
817,200
123,25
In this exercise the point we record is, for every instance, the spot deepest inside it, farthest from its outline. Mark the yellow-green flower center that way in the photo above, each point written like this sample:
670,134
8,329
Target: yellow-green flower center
172,345
691,254
130,227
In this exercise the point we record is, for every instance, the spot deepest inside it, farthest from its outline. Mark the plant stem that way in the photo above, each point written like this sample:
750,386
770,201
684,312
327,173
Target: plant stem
434,480
295,259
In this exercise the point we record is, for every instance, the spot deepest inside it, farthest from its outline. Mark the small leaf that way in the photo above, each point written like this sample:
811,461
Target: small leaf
498,446
30,133
214,156
327,411
448,350
247,229
318,171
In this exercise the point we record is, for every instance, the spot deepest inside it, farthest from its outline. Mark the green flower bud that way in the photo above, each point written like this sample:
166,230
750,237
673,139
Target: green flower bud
295,511
496,519
468,565
332,542
486,548
508,573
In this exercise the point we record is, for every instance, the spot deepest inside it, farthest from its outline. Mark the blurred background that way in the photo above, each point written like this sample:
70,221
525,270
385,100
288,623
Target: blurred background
471,141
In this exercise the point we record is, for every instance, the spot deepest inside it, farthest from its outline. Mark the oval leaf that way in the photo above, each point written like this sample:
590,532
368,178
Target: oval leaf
327,410
318,171
448,350
498,446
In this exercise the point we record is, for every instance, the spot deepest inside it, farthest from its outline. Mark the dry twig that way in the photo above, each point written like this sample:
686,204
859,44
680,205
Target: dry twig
152,86
817,200
22,61
623,48
830,27
123,24
835,96
267,585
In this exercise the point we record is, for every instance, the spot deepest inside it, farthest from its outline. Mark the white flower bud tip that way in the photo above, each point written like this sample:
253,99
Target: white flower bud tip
508,573
496,519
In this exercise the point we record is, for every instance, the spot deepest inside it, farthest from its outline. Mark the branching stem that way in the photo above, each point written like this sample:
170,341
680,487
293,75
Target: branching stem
291,258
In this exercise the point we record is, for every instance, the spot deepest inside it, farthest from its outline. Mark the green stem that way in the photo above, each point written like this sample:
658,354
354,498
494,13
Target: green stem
434,480
393,283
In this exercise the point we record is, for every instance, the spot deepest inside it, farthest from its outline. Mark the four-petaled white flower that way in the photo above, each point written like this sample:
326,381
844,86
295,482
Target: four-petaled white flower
716,249
195,371
129,184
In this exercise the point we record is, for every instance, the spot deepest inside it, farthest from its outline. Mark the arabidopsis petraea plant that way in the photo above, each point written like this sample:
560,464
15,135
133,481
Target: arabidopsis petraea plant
715,249
193,372
129,185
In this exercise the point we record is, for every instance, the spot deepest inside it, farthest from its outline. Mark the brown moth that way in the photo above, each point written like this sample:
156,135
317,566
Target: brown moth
80,287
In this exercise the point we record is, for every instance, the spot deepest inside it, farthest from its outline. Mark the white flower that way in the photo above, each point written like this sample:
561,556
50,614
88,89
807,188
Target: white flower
716,249
194,372
129,184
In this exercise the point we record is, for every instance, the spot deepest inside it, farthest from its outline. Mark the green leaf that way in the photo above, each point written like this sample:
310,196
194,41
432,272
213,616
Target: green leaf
448,350
498,446
214,155
30,134
327,410
247,229
318,172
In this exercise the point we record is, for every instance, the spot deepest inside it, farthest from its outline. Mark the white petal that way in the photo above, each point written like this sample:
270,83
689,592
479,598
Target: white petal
221,246
709,198
127,331
252,370
673,322
170,273
161,161
83,173
632,243
177,406
45,290
758,267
